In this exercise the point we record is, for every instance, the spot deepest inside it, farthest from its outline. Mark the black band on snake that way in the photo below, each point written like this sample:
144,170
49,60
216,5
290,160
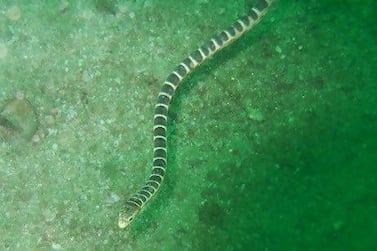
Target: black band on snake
133,205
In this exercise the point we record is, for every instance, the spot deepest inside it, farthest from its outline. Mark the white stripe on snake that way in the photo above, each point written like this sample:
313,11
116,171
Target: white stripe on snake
133,205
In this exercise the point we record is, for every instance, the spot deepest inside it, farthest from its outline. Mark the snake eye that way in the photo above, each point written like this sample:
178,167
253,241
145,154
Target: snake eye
130,219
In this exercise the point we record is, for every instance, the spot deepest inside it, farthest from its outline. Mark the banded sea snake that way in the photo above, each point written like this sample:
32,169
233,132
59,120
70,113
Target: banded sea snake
133,205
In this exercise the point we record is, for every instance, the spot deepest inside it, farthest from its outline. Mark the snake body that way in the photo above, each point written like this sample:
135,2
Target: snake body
134,204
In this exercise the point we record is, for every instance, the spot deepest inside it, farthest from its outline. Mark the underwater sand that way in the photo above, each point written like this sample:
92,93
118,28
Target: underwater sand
272,142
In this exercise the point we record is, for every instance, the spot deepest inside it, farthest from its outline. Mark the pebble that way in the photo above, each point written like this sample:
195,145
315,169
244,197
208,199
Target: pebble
14,13
18,119
256,115
3,51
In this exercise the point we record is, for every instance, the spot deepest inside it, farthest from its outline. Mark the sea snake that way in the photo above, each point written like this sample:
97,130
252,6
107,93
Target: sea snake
133,205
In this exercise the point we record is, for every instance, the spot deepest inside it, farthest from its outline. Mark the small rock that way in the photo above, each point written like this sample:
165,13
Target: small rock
3,51
18,119
14,13
256,114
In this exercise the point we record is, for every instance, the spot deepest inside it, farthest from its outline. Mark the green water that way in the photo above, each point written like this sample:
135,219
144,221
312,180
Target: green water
272,141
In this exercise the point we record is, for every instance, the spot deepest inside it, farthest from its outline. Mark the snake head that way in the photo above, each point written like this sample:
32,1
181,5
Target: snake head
127,214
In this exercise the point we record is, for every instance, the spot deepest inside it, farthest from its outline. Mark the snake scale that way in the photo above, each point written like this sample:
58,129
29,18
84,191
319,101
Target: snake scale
135,203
